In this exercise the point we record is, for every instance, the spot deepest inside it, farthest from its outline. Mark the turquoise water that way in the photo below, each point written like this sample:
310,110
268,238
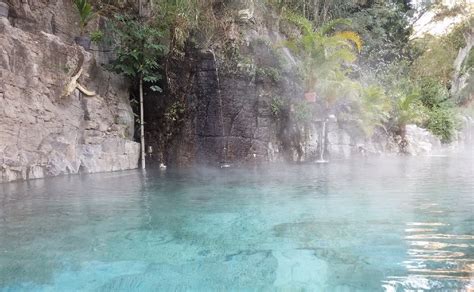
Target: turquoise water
366,225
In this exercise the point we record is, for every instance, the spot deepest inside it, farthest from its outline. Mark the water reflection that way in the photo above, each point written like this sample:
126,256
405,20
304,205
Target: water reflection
440,249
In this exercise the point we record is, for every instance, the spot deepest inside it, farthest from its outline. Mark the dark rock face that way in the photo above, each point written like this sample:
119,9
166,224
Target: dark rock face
208,112
228,117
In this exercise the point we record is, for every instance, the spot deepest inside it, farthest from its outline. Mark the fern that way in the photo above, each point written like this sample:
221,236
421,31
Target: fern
304,24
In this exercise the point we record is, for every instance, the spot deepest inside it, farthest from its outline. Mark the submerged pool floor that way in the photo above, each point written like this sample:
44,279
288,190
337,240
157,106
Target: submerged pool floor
366,225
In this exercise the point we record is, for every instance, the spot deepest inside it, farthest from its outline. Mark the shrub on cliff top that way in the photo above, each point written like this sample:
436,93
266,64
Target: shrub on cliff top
442,123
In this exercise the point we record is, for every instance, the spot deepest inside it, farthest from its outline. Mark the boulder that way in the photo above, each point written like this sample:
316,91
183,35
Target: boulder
421,141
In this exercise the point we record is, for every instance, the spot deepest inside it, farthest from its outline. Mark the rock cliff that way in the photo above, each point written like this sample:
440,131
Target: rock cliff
44,132
228,92
229,102
239,99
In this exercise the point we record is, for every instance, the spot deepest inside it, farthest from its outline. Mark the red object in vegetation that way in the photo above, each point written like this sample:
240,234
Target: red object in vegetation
310,96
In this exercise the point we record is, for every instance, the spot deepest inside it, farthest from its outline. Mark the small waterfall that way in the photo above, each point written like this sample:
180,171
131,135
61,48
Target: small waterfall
469,123
224,163
286,51
323,143
467,133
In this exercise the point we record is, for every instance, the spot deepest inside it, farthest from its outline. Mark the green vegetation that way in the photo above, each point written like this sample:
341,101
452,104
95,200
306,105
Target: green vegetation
323,51
442,123
389,81
138,49
385,29
84,8
268,72
277,106
356,56
469,63
374,108
97,36
436,60
432,93
302,112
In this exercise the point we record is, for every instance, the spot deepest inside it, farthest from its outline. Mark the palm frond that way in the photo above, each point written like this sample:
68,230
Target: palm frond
350,36
331,25
304,24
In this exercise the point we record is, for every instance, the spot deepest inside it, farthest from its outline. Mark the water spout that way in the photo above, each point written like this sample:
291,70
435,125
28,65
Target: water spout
323,144
223,163
286,51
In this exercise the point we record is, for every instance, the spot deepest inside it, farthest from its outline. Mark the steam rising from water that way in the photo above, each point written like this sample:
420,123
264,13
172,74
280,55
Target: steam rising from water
369,224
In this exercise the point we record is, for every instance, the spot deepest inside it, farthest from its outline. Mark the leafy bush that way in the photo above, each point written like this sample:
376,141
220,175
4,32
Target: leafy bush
442,123
438,54
276,106
432,93
469,62
302,112
174,113
268,72
436,61
385,29
97,36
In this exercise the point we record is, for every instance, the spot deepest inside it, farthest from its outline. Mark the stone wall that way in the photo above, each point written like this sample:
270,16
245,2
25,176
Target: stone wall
42,132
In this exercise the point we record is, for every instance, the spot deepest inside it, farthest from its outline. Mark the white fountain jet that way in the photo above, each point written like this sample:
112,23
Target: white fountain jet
322,149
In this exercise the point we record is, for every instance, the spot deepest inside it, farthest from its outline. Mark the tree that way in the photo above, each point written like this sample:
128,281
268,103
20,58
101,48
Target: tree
137,53
324,53
385,28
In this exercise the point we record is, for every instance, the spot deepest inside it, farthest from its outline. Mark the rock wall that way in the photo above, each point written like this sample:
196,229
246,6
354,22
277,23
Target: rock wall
229,92
228,117
42,132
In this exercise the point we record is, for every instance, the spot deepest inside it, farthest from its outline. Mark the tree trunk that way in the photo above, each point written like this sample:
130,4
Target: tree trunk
316,12
142,126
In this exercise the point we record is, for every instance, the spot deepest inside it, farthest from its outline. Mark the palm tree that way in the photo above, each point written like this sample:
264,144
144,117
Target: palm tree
324,52
374,108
